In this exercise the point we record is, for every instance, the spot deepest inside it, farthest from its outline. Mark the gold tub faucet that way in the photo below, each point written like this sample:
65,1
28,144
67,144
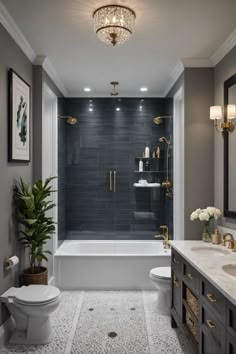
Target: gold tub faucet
164,235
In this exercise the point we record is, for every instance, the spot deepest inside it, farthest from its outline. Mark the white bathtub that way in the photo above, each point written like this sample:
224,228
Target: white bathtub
108,265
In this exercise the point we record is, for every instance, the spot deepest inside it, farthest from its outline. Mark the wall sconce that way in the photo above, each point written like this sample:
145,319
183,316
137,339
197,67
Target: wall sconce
216,113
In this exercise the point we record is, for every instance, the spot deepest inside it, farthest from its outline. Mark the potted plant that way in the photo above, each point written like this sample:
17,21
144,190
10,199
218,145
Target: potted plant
32,205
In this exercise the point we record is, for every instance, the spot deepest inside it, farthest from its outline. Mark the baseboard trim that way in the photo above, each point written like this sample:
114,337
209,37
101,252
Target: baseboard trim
5,331
51,281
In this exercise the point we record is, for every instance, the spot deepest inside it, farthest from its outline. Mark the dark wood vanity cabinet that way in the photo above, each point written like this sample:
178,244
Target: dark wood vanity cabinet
202,312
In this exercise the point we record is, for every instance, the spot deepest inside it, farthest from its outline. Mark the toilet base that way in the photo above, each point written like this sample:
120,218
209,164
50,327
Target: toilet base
163,303
39,332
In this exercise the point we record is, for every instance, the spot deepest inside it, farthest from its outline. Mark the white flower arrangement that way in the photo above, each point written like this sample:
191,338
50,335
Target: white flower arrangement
206,215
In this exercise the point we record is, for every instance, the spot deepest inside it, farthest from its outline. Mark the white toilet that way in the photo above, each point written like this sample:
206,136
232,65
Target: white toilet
31,306
160,278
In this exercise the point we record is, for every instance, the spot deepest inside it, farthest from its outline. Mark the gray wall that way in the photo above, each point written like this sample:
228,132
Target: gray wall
11,57
199,144
223,70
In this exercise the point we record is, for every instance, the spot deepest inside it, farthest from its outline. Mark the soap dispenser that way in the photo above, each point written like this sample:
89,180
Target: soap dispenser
216,239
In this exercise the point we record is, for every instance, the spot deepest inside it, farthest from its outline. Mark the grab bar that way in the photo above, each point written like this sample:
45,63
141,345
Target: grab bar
110,186
114,189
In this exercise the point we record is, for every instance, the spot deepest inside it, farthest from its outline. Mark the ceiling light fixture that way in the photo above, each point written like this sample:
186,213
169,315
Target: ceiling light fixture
117,109
114,24
143,89
87,89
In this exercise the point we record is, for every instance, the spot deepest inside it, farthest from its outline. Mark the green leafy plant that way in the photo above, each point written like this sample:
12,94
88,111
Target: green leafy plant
32,204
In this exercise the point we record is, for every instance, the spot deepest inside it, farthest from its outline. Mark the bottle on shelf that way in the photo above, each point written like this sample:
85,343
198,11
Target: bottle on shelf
140,165
147,151
158,152
147,166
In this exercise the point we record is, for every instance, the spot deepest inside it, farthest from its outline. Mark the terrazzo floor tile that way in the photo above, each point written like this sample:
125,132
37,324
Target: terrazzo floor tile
111,322
61,321
163,338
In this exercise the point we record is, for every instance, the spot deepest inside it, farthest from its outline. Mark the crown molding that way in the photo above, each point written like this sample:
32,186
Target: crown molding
224,49
197,62
175,74
12,28
50,70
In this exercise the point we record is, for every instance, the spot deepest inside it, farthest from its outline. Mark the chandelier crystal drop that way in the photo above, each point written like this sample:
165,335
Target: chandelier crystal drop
114,24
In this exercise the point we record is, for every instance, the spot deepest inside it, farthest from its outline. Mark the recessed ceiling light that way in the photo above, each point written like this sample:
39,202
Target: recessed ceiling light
90,109
140,108
117,109
87,89
143,89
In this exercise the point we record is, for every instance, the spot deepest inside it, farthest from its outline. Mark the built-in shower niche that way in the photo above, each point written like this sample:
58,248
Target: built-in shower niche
103,141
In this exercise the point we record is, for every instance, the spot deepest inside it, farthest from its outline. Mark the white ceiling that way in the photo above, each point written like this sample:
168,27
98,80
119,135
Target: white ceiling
167,31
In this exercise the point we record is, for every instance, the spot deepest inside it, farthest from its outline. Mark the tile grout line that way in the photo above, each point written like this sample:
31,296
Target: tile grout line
74,325
148,325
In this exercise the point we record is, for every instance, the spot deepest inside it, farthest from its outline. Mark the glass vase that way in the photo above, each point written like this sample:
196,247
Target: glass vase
206,235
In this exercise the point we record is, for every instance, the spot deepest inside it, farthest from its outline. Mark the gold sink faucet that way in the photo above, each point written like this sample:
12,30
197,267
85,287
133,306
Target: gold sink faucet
164,235
228,239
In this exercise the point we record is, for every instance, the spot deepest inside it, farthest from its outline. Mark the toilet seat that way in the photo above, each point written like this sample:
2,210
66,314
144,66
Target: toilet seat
33,295
161,272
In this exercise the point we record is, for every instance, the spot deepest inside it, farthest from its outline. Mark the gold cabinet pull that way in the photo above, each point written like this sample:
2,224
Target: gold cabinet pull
176,282
110,187
114,182
211,324
190,276
212,297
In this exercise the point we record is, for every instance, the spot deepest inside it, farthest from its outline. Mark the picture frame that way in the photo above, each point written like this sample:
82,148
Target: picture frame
19,118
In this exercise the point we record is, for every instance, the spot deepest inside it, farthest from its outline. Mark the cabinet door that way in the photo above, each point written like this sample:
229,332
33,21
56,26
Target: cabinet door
230,345
176,295
212,333
208,344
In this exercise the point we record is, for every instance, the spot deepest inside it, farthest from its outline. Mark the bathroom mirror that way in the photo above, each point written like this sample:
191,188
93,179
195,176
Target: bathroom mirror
229,153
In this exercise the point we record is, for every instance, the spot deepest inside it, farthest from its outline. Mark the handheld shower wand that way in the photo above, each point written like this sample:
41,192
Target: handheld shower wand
167,184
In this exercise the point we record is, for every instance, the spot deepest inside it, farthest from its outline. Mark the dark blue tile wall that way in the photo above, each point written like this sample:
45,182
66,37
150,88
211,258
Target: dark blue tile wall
105,140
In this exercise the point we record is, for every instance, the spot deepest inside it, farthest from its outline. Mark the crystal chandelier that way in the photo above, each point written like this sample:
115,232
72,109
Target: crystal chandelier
114,24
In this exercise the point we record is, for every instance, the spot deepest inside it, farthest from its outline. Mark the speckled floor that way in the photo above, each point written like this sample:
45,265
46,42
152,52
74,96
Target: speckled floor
109,322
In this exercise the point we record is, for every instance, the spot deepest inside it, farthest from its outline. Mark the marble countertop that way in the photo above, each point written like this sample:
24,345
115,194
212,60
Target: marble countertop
210,265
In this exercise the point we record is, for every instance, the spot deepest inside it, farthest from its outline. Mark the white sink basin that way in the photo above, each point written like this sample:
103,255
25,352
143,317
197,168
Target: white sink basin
209,251
230,269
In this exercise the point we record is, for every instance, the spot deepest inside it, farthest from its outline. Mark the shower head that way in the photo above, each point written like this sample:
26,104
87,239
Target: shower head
159,119
163,139
70,120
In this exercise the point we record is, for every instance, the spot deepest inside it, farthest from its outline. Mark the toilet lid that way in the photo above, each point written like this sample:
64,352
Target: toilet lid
161,272
37,294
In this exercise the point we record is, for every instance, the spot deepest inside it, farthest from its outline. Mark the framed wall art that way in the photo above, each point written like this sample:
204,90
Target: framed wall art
19,119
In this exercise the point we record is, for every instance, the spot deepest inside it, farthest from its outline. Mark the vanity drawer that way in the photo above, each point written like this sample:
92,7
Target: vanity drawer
176,260
214,299
213,329
191,277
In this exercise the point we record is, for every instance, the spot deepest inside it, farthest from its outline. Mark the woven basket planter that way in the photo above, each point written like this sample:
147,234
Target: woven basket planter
36,278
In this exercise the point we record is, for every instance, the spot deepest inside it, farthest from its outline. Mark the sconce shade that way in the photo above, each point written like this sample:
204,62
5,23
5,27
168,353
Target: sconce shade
215,112
231,111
